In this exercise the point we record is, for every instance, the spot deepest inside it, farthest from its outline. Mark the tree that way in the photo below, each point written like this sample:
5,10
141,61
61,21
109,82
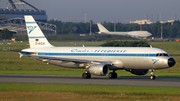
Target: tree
126,44
5,34
170,30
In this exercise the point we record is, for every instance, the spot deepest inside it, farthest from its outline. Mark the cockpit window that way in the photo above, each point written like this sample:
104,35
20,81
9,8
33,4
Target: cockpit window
162,54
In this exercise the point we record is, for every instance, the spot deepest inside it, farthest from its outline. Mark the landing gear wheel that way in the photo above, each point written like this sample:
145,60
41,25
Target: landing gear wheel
112,75
86,75
152,77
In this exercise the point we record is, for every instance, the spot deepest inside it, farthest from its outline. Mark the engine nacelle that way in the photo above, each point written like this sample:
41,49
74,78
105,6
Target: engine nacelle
138,71
99,69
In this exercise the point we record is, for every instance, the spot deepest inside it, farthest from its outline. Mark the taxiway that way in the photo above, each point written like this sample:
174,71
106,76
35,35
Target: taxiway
95,80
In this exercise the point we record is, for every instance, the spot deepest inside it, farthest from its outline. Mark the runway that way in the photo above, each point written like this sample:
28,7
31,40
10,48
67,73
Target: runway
95,80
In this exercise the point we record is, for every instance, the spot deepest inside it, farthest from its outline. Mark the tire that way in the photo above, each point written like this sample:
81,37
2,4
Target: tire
152,77
84,75
112,75
115,75
88,75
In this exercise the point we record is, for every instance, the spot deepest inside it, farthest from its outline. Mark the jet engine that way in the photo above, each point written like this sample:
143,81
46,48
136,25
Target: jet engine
98,69
138,71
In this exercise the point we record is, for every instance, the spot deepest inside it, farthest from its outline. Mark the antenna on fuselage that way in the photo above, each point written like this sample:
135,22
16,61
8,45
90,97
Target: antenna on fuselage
150,46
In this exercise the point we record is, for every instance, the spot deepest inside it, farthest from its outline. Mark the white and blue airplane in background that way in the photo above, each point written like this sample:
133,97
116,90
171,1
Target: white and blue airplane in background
135,34
95,60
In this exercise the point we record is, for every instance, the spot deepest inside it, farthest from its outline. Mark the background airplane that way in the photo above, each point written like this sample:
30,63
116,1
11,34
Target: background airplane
95,60
135,34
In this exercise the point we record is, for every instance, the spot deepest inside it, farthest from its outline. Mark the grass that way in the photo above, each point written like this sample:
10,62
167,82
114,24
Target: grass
42,72
20,46
93,88
170,47
81,96
45,92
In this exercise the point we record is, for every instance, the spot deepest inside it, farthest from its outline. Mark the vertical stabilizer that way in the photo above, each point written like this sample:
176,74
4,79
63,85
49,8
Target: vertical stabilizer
102,28
35,35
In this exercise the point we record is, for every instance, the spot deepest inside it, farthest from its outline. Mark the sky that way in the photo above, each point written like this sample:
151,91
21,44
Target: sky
109,10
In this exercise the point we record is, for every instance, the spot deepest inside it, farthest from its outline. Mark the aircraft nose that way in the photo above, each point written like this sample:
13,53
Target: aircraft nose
171,62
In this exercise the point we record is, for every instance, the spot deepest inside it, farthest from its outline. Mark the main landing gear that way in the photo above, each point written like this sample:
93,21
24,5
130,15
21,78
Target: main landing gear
112,75
86,75
152,77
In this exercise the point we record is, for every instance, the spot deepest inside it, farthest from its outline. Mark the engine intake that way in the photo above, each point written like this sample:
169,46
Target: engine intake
99,69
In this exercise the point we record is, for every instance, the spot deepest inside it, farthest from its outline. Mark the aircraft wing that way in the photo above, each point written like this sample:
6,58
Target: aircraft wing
74,60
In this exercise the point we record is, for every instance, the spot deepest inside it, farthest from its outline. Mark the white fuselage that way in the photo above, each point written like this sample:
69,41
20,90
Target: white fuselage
137,34
123,57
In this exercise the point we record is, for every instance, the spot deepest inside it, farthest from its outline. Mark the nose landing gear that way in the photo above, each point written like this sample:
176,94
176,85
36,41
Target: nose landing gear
152,77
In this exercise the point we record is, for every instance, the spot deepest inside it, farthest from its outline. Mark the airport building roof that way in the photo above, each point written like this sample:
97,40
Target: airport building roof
142,22
18,25
18,8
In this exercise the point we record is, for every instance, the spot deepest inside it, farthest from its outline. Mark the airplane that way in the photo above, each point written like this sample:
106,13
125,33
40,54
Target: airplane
135,34
95,60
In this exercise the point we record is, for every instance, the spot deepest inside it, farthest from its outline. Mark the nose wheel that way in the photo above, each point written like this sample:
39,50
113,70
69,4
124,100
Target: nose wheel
152,77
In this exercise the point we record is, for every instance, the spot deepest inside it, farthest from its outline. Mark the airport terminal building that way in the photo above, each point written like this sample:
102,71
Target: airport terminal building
12,16
39,15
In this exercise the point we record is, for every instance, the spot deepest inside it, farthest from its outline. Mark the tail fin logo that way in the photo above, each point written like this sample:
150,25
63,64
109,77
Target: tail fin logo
31,28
